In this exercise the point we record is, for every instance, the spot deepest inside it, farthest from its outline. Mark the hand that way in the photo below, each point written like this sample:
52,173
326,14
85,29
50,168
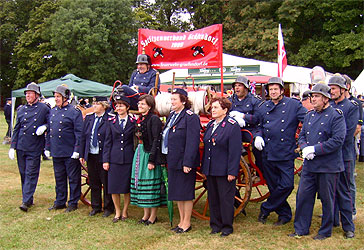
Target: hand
82,161
186,170
230,178
310,156
151,166
106,166
11,153
41,129
239,117
307,151
259,143
47,153
75,155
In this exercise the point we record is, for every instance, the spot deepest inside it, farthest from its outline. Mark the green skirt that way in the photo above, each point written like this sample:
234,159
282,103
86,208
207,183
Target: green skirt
145,189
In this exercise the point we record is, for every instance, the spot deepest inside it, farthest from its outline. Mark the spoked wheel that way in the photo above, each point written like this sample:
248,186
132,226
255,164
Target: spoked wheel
243,190
85,186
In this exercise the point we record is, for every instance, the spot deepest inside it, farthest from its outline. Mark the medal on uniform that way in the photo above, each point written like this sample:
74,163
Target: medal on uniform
174,129
213,141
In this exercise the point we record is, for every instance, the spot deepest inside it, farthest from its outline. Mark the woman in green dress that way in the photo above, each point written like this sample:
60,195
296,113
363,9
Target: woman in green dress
146,173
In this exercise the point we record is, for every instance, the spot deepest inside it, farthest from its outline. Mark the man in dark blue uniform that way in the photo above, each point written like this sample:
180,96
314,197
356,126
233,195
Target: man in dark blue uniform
7,114
278,121
64,139
142,80
358,103
91,151
28,140
321,140
351,114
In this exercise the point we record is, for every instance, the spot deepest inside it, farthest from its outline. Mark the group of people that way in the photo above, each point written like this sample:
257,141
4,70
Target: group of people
125,154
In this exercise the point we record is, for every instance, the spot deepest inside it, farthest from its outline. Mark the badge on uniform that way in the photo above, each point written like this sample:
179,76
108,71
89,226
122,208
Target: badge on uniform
213,141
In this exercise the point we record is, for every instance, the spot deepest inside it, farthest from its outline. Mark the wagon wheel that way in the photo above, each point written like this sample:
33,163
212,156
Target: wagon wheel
243,185
85,186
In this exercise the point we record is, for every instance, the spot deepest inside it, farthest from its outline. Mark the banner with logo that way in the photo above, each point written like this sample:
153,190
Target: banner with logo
188,50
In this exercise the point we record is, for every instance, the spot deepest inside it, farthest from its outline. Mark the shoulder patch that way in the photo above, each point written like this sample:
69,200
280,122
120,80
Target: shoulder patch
260,104
111,114
308,111
189,112
354,102
258,97
231,120
339,111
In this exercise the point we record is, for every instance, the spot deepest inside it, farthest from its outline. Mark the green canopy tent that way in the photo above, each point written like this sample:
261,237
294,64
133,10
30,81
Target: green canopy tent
78,86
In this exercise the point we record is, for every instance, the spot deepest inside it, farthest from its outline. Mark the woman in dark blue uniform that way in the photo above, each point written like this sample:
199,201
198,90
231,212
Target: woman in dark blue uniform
220,164
180,144
118,155
91,148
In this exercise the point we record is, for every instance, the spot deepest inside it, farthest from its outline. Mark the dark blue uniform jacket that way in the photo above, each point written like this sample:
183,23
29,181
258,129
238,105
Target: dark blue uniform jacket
145,81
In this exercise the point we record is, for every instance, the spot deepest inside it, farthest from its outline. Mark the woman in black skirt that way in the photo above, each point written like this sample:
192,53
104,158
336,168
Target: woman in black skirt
118,155
180,144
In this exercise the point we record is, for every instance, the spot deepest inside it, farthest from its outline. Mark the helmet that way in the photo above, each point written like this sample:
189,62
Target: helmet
63,91
322,89
296,92
338,81
276,80
143,58
243,80
306,94
347,79
33,87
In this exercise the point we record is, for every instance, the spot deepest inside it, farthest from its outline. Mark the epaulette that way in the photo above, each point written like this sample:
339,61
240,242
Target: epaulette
77,108
111,114
90,113
231,120
340,111
354,102
308,111
258,97
189,112
260,104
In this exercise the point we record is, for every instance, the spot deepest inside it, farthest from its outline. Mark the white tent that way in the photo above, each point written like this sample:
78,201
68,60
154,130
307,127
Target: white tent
358,84
293,74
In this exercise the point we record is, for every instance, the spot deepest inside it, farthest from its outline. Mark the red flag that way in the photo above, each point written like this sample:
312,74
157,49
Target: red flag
196,49
282,56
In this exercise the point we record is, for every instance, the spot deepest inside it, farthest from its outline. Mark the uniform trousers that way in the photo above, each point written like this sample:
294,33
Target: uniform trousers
98,177
352,183
8,133
29,166
221,202
310,184
280,180
343,203
67,169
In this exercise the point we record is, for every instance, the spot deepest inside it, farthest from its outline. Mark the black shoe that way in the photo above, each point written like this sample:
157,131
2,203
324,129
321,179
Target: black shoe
320,237
142,221
262,218
57,207
349,234
107,213
148,222
214,232
94,212
70,209
280,223
24,207
181,231
116,219
224,234
175,228
295,235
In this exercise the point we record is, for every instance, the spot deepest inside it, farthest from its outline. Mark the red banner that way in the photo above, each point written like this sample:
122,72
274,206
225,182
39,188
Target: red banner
196,49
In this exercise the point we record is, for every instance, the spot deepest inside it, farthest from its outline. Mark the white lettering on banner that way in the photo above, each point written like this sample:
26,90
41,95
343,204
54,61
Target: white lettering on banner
177,45
174,38
181,65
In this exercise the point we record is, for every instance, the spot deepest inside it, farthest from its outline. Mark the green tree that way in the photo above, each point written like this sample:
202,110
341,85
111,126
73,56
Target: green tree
95,39
35,61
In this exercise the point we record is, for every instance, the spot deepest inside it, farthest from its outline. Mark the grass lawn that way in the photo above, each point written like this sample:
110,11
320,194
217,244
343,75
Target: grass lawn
41,229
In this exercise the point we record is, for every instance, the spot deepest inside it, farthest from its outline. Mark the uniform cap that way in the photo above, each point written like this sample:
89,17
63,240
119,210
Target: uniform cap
99,99
121,97
180,91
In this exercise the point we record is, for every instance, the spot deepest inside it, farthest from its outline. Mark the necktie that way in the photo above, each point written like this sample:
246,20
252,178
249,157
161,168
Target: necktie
94,139
122,125
169,126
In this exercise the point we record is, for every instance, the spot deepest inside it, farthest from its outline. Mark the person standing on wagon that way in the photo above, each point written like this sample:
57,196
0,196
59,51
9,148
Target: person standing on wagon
91,151
180,144
142,80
